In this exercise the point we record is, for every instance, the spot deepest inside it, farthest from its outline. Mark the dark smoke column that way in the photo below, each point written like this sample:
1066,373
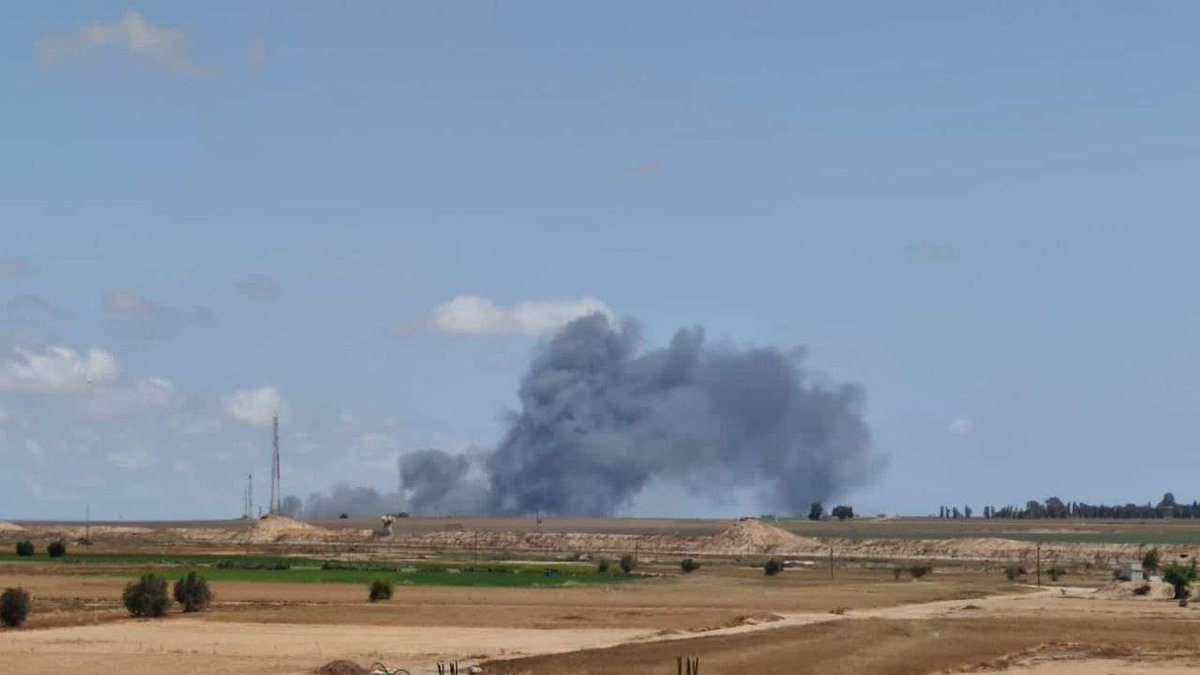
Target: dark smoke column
599,422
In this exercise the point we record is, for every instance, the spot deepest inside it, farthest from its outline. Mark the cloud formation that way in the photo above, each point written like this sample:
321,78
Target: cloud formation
255,407
153,319
473,315
960,427
165,46
55,370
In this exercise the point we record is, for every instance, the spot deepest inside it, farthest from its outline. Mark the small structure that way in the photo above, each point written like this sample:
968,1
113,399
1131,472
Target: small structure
1130,571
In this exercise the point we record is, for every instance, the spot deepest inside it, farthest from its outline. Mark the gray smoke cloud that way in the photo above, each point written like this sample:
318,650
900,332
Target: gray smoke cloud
600,420
353,501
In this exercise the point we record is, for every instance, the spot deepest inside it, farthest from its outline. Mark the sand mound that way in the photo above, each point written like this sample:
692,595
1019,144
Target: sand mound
754,536
7,527
341,667
277,528
1129,590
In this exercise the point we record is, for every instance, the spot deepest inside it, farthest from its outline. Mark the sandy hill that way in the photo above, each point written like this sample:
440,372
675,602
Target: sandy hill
7,527
755,536
270,529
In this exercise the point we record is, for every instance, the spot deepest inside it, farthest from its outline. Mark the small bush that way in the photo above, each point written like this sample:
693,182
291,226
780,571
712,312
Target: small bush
192,592
627,563
689,565
918,571
1057,573
602,567
56,549
772,567
1150,561
25,548
14,607
897,572
1181,577
1013,572
381,589
147,596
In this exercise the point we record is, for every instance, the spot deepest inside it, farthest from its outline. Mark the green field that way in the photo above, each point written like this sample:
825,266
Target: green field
309,570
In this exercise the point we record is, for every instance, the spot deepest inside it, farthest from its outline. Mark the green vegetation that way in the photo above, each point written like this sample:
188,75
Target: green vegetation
14,607
602,567
193,593
147,596
1181,577
772,567
381,589
918,571
628,562
1150,561
689,565
1013,572
25,549
56,549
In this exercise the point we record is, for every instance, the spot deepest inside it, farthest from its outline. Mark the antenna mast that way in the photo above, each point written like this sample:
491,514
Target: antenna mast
276,489
248,498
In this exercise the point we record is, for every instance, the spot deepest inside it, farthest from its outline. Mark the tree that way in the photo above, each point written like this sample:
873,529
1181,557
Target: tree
381,589
1181,577
842,512
56,549
192,592
628,563
14,607
815,511
772,567
147,596
25,548
1150,562
918,571
602,567
967,512
689,565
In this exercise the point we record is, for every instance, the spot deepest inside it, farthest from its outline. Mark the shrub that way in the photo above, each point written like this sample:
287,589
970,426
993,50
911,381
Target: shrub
192,592
602,567
772,567
147,596
1150,561
1181,577
381,589
1056,573
14,607
628,563
56,549
689,565
25,548
1013,572
897,572
918,571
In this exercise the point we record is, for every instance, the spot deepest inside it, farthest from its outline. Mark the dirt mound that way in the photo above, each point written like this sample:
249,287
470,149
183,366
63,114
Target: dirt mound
341,667
1129,590
754,536
271,529
10,528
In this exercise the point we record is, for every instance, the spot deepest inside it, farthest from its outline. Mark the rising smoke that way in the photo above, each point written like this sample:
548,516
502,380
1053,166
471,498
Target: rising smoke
599,422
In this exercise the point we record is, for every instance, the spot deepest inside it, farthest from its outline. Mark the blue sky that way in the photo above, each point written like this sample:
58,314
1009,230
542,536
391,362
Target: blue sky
983,214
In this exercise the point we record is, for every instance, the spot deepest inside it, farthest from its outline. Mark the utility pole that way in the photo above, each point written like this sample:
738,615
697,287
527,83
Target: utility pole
1039,564
275,506
830,562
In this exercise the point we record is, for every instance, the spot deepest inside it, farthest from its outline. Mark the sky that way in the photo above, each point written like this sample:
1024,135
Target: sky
367,217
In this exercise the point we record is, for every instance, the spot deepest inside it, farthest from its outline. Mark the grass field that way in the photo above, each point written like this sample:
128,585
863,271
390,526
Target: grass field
273,569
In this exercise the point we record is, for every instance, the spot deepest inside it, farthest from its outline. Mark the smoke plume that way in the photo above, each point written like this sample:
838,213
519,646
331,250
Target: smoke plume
600,420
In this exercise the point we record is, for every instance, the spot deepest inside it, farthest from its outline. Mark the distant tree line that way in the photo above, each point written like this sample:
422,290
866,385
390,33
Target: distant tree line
1055,508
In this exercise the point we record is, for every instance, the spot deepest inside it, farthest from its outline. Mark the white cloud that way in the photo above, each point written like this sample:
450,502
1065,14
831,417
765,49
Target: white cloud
255,407
960,427
129,397
56,370
473,315
165,46
130,458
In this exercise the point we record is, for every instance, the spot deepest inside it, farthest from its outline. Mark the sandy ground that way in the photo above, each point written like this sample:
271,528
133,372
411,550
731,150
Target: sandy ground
188,645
